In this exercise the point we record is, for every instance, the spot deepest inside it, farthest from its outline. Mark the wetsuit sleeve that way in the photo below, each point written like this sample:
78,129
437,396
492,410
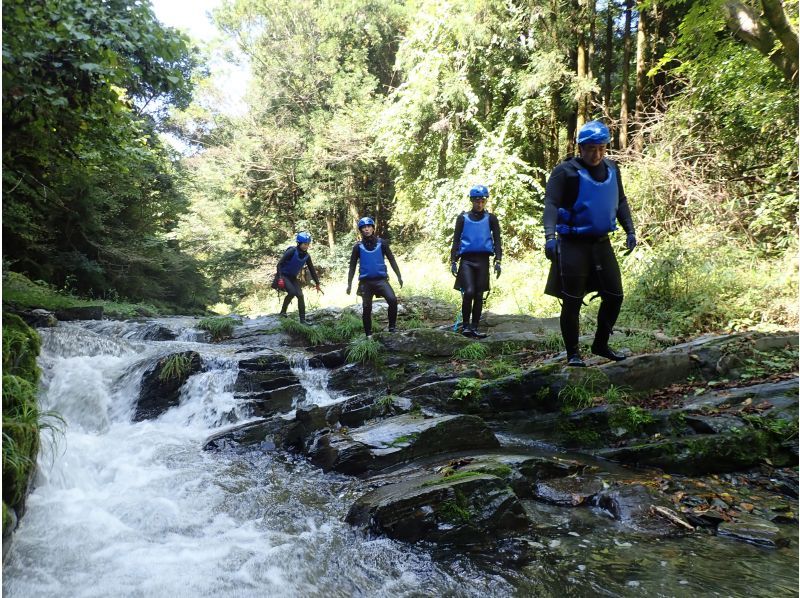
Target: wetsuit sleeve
353,260
553,195
623,211
457,238
494,223
287,255
312,271
390,256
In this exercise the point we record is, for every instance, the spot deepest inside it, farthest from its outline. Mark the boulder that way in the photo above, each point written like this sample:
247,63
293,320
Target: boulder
752,529
463,511
159,392
68,314
401,438
703,453
519,323
429,342
572,491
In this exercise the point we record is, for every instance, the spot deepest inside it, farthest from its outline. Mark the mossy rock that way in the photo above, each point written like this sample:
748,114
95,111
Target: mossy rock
21,346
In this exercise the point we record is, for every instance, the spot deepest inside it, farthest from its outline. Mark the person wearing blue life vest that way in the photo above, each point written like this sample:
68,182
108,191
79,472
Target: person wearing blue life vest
292,262
584,200
476,237
373,278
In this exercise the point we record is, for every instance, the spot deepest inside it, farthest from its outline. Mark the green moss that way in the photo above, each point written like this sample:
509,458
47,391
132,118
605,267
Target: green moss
579,436
500,470
21,345
404,439
6,518
452,477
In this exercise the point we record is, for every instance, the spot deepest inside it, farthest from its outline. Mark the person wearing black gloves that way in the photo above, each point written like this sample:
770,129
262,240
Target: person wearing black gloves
293,260
584,199
476,237
373,278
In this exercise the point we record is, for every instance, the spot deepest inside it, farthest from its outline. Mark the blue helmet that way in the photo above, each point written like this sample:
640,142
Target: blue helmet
303,237
365,221
594,132
479,191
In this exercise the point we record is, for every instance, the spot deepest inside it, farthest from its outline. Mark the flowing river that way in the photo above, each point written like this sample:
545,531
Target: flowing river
123,508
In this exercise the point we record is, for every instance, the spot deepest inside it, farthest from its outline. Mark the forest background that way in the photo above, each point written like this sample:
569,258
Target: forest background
394,109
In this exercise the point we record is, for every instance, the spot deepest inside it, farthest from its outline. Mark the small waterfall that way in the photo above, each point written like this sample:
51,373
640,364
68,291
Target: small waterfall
313,380
123,508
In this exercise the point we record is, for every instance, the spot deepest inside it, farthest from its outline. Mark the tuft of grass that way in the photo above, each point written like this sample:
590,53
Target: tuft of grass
219,327
175,366
617,394
501,367
630,418
364,350
472,352
581,395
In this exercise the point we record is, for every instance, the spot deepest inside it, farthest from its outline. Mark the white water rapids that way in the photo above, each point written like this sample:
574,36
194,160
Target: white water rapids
139,509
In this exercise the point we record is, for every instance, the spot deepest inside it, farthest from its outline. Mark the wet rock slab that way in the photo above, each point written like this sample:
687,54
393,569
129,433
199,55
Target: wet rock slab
463,511
397,439
753,530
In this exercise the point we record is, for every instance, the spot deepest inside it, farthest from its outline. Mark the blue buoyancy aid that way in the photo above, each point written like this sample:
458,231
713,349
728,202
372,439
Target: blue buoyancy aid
295,264
476,236
371,263
595,210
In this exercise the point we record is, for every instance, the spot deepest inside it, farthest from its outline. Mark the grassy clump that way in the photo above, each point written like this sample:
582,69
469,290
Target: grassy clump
472,352
582,394
219,327
175,366
22,420
364,350
342,330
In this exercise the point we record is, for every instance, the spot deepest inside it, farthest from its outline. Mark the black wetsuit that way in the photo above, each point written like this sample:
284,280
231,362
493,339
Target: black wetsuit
292,285
472,278
585,263
369,288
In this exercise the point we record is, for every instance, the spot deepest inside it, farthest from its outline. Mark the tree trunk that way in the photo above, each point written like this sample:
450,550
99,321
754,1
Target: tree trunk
585,51
642,56
553,153
609,62
626,68
746,25
330,222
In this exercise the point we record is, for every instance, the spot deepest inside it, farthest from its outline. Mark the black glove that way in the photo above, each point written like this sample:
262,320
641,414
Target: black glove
454,268
550,247
348,289
400,282
630,241
497,269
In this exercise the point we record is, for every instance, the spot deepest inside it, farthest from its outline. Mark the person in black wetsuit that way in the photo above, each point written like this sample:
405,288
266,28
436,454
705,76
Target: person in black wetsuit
373,279
289,266
476,237
584,199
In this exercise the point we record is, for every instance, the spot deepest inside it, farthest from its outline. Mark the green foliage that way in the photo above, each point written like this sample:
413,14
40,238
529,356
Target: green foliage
89,191
220,327
455,510
766,363
21,346
472,352
698,282
364,350
468,390
778,428
632,419
402,440
498,368
452,476
175,367
616,394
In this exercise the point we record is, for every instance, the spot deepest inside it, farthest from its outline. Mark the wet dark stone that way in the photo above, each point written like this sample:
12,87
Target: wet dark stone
157,395
567,492
93,312
753,530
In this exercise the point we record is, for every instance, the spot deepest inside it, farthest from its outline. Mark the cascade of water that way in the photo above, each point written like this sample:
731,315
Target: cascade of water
139,509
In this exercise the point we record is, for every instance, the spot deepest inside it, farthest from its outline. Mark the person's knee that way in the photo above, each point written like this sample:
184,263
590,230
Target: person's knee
611,298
